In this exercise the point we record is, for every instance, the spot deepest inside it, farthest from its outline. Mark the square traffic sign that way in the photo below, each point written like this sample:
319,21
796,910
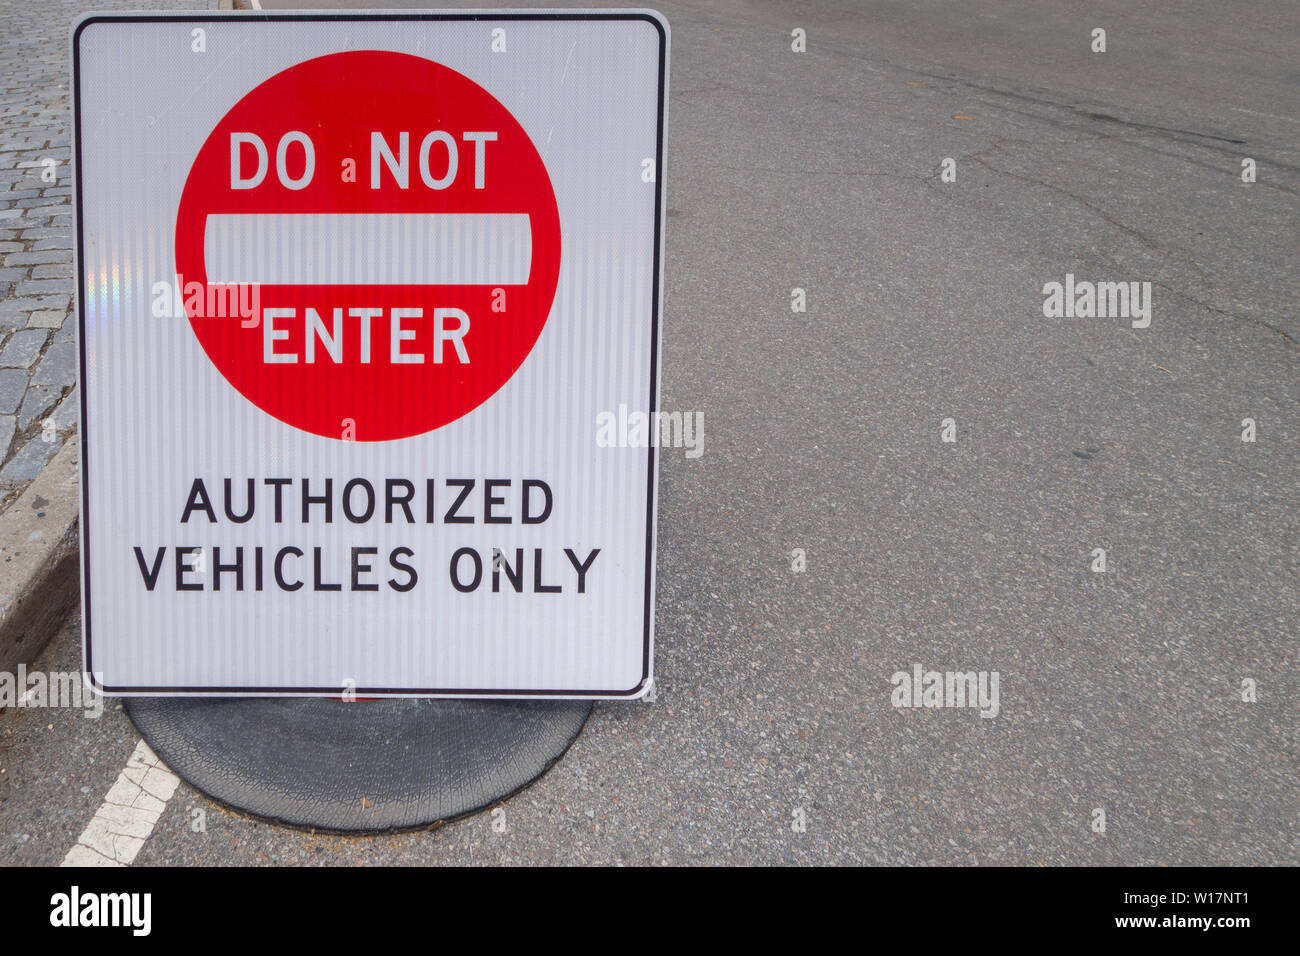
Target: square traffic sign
355,293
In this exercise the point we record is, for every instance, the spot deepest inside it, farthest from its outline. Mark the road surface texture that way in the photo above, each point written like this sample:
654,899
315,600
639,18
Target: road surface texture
1126,692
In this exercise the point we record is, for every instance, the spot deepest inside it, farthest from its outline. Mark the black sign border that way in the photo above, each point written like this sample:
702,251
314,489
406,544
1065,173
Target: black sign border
643,685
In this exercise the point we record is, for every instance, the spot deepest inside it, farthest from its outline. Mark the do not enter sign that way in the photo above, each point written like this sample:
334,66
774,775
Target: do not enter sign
359,296
401,232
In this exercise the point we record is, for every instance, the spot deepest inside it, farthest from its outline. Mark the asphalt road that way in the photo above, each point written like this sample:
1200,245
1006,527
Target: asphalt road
1118,690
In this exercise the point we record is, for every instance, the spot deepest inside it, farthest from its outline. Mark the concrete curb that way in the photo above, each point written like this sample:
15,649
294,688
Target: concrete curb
39,574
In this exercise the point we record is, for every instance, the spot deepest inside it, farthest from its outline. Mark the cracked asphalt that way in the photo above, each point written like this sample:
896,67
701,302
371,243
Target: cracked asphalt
1120,691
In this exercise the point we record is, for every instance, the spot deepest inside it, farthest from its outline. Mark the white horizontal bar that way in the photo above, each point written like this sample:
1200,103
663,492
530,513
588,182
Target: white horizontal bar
368,248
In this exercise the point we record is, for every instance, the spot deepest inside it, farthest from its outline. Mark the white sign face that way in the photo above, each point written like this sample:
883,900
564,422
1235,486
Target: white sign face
358,294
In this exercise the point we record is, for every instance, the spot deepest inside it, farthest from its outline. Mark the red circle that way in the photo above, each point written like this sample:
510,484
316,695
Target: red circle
337,101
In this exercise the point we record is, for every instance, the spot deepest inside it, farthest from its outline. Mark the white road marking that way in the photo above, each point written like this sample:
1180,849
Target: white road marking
127,816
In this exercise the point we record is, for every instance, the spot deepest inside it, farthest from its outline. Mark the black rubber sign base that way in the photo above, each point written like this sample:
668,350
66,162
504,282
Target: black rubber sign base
368,766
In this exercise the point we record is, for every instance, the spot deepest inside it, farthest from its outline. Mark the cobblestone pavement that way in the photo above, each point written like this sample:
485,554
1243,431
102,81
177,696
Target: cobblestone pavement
38,360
